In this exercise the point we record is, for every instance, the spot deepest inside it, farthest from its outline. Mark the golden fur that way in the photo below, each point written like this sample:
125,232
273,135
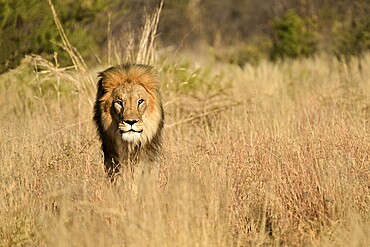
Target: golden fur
128,114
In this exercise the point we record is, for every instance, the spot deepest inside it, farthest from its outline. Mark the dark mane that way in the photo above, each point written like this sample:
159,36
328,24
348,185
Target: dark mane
114,149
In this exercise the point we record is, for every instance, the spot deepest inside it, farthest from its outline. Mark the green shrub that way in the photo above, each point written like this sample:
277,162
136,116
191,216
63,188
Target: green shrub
292,37
352,38
244,54
187,79
249,52
28,27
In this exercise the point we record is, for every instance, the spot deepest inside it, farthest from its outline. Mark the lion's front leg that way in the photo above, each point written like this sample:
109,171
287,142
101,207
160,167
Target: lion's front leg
112,166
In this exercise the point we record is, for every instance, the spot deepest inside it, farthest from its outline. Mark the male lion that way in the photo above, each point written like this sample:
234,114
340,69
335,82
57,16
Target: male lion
129,116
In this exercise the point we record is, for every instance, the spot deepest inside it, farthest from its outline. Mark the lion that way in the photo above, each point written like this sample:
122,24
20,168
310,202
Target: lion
129,116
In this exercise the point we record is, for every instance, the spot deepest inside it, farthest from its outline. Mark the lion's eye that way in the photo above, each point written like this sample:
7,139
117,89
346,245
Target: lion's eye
119,103
140,101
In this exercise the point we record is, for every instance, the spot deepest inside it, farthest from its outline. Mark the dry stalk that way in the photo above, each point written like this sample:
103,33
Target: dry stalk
109,35
146,53
86,81
76,58
124,48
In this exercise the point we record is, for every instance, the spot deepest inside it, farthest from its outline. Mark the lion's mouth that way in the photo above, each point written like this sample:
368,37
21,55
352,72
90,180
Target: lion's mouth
131,135
131,131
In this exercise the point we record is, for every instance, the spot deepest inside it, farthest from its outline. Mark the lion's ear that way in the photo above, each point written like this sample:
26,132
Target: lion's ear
104,81
110,78
101,81
101,77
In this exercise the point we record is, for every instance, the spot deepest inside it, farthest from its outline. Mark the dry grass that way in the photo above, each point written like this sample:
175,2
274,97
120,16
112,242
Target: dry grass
288,166
273,155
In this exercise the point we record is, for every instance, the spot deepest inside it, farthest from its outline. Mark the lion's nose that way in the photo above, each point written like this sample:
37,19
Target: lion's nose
130,121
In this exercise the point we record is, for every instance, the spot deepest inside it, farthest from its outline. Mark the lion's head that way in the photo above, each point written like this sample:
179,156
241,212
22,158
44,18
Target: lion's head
128,114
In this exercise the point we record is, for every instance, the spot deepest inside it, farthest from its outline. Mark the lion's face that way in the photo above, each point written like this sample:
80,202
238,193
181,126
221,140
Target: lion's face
130,104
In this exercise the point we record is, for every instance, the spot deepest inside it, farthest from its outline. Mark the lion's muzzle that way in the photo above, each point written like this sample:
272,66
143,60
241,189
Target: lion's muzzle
130,130
130,121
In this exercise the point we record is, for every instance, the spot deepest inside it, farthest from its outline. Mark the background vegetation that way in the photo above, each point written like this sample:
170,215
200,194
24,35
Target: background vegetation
238,31
256,152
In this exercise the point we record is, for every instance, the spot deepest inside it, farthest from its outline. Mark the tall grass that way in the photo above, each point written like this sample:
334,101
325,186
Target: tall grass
288,165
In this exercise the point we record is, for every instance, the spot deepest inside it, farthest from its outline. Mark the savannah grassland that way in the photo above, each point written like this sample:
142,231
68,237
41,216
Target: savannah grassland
276,154
272,155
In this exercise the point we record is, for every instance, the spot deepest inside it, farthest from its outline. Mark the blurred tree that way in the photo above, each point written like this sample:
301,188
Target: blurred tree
28,27
338,27
352,40
292,37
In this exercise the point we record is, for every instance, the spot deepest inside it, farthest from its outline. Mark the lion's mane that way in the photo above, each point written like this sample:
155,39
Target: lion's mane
117,151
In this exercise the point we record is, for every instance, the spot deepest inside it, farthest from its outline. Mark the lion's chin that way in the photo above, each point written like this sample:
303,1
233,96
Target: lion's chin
131,136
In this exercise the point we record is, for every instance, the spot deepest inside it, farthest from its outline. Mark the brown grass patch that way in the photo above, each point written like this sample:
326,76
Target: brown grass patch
287,166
